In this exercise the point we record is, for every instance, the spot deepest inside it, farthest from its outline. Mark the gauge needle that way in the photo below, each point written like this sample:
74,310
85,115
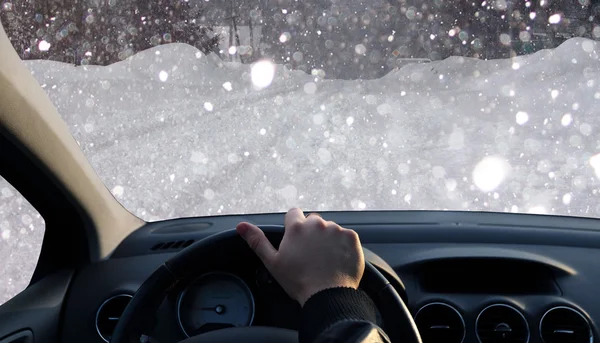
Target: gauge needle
219,309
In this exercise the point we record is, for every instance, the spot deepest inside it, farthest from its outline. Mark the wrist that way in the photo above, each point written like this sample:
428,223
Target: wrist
309,292
329,306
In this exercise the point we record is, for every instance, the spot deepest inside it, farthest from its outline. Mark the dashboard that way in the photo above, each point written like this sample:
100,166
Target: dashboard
465,276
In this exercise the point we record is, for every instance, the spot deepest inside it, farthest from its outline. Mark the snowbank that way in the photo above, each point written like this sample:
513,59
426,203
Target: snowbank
173,132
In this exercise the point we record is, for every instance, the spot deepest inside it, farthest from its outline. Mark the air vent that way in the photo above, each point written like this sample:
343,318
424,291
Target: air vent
178,227
172,245
565,325
501,323
440,323
109,313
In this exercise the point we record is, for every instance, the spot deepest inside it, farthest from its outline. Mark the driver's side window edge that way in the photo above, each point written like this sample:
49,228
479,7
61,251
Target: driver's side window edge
69,240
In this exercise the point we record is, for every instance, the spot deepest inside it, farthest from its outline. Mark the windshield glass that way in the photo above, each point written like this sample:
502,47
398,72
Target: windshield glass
191,108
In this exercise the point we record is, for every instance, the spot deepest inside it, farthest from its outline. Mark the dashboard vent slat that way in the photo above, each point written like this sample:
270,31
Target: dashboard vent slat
172,245
157,246
167,245
440,323
500,323
563,324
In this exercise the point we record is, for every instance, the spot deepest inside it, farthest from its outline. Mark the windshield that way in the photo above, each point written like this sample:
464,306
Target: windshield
192,108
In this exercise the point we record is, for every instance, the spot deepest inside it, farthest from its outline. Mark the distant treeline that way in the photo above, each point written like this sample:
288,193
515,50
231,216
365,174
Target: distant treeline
340,39
101,31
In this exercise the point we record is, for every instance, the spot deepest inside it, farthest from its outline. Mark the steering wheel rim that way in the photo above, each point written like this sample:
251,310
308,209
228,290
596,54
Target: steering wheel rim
217,248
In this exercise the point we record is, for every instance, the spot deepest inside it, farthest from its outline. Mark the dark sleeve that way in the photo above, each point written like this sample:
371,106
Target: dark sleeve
340,315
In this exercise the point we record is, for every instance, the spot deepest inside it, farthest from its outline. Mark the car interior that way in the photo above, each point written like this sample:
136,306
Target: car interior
105,275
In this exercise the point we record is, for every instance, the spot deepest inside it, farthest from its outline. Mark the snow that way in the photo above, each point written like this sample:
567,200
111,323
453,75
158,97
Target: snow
262,74
117,191
21,234
163,76
521,117
567,119
447,133
44,46
227,86
174,133
284,37
490,173
554,19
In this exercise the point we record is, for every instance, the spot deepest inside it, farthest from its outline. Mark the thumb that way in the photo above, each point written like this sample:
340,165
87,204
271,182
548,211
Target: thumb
257,241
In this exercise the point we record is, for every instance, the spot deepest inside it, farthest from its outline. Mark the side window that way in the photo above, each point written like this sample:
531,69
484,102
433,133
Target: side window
21,235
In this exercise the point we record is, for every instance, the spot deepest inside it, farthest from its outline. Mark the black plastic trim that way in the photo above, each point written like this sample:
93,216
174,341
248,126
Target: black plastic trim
377,227
66,222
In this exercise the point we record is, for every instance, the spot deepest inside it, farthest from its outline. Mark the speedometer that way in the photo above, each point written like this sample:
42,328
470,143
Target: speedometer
215,301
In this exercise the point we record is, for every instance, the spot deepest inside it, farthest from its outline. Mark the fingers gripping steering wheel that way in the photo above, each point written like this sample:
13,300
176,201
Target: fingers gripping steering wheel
227,248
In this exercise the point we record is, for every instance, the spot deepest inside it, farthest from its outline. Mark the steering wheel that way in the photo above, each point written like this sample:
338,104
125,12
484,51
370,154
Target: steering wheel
228,247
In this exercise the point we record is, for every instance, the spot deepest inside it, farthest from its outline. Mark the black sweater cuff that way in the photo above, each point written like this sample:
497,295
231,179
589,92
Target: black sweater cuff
332,305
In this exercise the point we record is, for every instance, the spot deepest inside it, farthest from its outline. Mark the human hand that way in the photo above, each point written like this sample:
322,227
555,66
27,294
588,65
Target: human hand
314,254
